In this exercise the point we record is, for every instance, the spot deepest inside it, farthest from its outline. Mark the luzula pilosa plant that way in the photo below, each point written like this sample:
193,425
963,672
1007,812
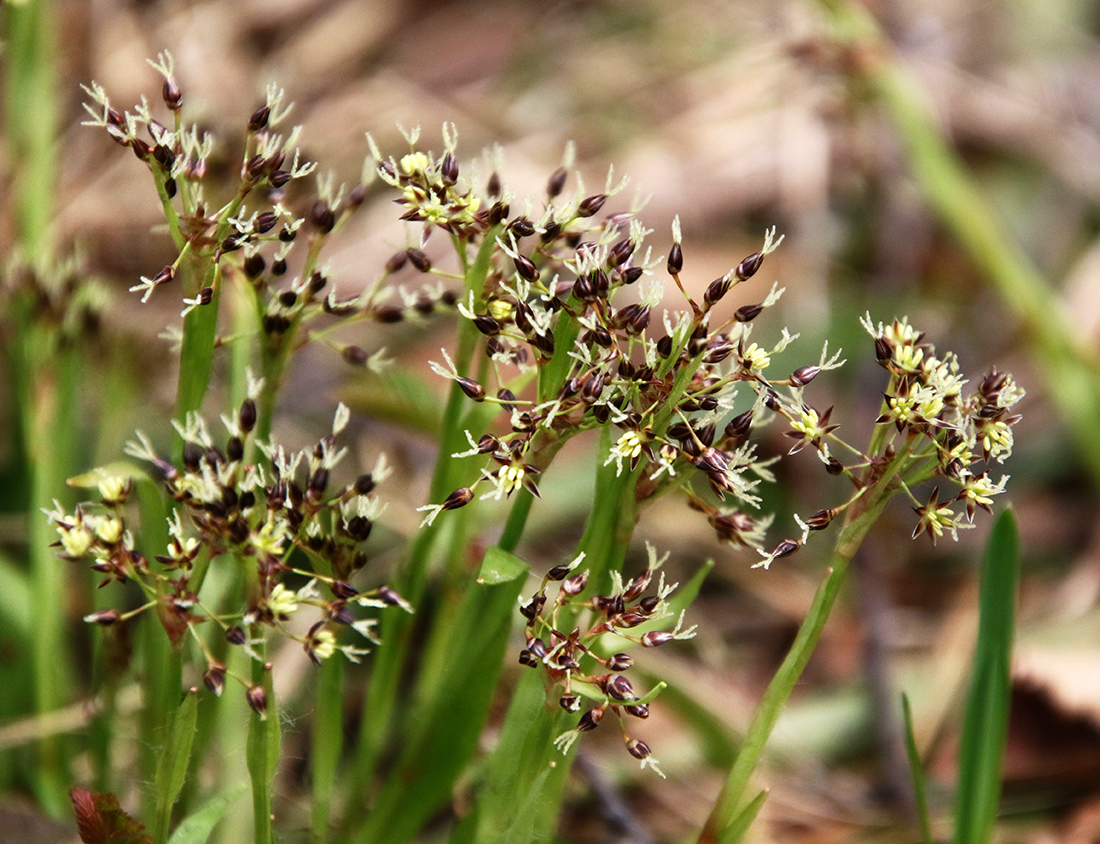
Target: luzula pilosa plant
561,330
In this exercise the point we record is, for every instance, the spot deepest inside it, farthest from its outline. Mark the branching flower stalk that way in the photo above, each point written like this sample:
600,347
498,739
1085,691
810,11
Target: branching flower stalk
926,429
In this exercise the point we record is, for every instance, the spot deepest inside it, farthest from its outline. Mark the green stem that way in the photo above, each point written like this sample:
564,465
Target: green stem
263,753
328,733
730,801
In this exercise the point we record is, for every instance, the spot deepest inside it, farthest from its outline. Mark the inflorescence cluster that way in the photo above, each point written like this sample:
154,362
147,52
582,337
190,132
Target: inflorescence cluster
247,517
564,300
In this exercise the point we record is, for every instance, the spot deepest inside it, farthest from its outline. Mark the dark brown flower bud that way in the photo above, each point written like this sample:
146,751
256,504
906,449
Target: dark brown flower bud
570,703
140,148
419,260
231,244
786,548
278,178
664,346
492,187
321,217
257,700
590,720
620,688
497,212
648,604
364,484
638,710
821,519
632,274
638,749
317,483
675,259
834,466
526,267
255,166
556,182
265,222
165,275
740,426
527,658
804,375
883,350
459,498
620,252
343,590
591,205
537,647
533,607
259,119
448,170
521,227
355,355
104,618
214,678
170,187
575,584
748,267
254,265
388,314
356,197
593,387
359,528
235,635
656,638
173,96
620,662
747,313
164,156
545,344
558,573
486,325
234,450
389,597
717,289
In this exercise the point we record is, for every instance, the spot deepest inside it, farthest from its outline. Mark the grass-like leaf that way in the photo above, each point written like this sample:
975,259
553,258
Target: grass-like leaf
986,724
446,726
173,761
916,771
196,827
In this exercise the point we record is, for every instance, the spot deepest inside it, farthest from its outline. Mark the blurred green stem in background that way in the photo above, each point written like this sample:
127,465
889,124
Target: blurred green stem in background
1072,371
44,368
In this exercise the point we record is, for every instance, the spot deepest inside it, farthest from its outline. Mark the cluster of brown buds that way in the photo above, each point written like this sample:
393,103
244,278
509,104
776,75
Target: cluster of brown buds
568,635
235,513
248,236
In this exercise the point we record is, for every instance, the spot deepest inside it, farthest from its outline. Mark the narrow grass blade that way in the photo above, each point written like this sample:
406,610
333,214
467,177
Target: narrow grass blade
916,770
172,765
196,827
986,724
736,830
328,733
446,727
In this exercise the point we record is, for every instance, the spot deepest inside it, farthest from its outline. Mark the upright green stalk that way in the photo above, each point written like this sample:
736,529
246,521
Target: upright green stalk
263,750
730,801
45,369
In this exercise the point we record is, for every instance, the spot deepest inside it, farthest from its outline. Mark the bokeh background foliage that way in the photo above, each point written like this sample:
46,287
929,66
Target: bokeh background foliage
940,160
